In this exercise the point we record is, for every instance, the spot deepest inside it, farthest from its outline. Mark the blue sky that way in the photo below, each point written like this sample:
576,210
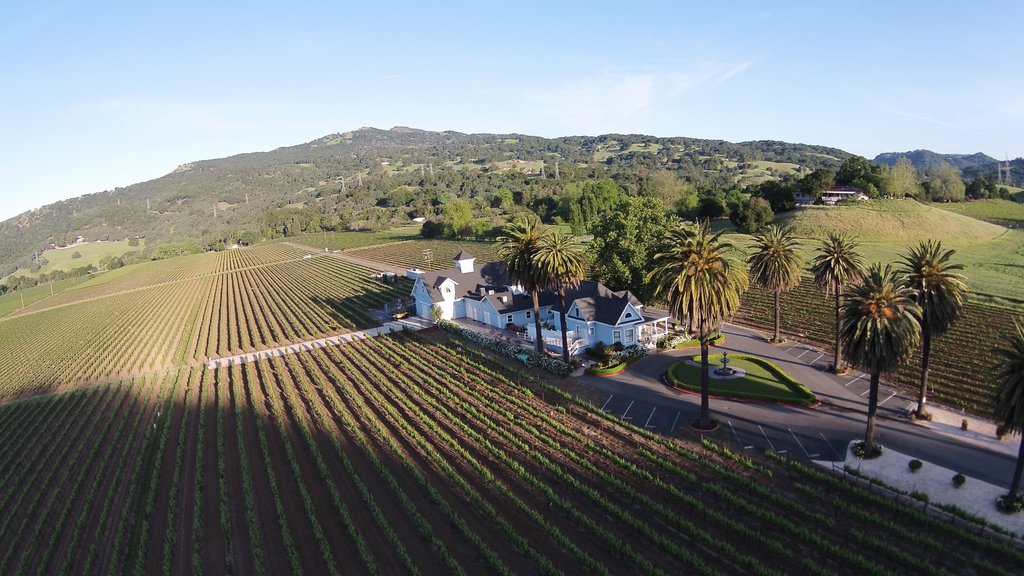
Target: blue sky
104,94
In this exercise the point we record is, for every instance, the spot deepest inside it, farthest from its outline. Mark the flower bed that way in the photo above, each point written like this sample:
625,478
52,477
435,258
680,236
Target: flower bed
620,359
687,342
529,357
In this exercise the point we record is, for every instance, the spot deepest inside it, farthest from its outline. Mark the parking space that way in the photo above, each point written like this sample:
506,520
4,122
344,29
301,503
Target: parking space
748,437
660,419
743,436
856,382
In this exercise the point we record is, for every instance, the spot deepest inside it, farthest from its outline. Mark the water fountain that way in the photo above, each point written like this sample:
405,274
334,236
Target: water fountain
725,370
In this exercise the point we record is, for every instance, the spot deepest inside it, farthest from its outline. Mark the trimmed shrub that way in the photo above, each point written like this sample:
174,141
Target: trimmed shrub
861,452
532,358
915,465
958,480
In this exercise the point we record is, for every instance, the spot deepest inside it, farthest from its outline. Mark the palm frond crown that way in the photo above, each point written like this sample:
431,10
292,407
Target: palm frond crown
941,291
776,262
880,320
699,275
837,264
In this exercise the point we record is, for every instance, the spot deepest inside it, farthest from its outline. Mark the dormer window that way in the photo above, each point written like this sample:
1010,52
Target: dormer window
629,314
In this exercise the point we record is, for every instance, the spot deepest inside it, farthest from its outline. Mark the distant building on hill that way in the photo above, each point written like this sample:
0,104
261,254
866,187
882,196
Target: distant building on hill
832,196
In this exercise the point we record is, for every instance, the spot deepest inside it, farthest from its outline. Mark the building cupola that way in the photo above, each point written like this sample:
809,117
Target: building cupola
464,262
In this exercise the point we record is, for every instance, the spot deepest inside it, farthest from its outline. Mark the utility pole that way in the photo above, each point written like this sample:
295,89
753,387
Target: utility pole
214,210
431,169
246,197
359,179
556,170
343,190
147,204
118,201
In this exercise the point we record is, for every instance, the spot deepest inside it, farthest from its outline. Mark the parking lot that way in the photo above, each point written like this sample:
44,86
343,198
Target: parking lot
856,382
744,435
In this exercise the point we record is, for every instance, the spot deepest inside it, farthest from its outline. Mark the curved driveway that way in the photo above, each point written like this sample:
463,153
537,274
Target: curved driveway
820,433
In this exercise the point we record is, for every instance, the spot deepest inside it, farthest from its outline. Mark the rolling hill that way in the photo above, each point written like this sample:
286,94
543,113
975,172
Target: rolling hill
926,160
371,179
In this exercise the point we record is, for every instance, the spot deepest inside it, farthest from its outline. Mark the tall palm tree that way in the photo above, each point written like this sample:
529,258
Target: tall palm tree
941,293
700,276
880,330
838,265
561,261
517,246
1009,397
776,264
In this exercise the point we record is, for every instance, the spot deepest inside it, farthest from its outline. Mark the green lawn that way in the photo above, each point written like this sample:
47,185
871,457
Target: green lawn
91,253
992,255
763,380
14,300
1000,211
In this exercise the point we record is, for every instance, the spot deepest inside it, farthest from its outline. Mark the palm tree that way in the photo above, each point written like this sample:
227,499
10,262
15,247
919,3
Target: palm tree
776,264
517,246
838,265
1009,398
700,276
561,260
940,293
880,330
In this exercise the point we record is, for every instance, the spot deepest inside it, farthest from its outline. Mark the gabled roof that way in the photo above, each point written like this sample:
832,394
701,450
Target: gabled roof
463,255
490,276
597,303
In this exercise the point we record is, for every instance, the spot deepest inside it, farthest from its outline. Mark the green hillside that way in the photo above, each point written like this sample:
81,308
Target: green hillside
992,255
88,253
371,179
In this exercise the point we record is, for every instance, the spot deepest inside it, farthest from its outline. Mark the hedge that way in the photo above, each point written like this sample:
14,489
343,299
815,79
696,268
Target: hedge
533,359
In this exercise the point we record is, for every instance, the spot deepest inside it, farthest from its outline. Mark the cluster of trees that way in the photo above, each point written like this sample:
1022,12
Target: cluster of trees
538,259
13,283
882,313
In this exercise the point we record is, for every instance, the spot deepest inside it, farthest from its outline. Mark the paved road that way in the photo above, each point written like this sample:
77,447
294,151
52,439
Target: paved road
820,433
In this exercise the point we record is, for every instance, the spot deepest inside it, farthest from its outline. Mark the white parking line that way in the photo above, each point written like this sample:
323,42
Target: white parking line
854,380
674,422
887,398
606,403
801,445
648,423
737,436
830,447
804,352
770,445
624,417
816,359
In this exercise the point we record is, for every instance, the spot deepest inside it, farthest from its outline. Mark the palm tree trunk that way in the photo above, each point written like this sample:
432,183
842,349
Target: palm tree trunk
705,382
926,350
778,314
837,364
565,325
539,343
869,435
1015,484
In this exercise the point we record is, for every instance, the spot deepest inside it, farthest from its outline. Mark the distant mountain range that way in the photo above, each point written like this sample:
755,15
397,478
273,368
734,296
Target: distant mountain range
926,160
372,178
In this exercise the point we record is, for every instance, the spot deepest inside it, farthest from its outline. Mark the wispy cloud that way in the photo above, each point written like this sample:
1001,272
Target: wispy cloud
603,101
934,121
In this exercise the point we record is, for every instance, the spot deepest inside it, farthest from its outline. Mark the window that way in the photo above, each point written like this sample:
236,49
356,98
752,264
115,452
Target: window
629,314
529,314
508,318
616,335
591,330
629,336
